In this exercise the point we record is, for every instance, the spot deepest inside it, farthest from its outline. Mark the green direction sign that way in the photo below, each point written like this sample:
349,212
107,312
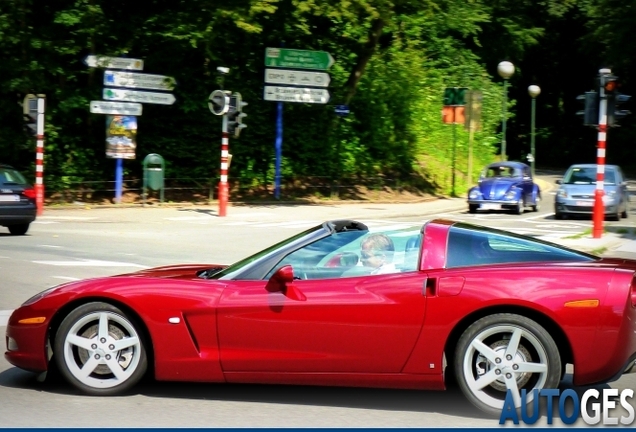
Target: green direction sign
298,59
455,96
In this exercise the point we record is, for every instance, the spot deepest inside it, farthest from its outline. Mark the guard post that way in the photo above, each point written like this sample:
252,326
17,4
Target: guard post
154,168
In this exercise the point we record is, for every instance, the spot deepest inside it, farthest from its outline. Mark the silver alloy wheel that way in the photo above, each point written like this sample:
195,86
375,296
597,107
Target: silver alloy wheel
511,359
102,349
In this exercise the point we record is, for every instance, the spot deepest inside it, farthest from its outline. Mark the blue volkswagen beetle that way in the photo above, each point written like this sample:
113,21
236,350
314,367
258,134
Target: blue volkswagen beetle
505,186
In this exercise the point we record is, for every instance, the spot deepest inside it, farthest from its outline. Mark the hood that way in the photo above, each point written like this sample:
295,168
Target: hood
181,271
588,190
496,188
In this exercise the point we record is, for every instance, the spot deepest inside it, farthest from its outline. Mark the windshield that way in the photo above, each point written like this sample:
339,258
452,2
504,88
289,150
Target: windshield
228,271
501,171
587,175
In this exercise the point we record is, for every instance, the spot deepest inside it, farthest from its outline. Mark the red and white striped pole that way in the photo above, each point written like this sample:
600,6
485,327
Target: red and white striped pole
599,207
223,187
39,158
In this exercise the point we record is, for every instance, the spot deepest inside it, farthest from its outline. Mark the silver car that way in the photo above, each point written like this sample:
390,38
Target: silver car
575,195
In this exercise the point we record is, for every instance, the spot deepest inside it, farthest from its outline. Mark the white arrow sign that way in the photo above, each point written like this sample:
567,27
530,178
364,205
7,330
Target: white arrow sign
117,108
137,80
306,78
114,62
296,94
138,96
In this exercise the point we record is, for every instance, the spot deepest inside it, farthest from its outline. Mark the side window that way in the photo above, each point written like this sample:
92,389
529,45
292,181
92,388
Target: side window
469,247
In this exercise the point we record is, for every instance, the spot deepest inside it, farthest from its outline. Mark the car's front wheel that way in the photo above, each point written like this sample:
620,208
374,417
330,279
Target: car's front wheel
504,353
100,350
472,208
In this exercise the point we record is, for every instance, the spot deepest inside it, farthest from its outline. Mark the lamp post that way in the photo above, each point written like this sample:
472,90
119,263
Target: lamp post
533,91
505,70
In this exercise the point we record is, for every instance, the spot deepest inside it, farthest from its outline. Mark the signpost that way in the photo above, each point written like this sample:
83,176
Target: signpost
341,110
138,96
114,62
295,77
296,94
301,59
137,80
313,88
117,108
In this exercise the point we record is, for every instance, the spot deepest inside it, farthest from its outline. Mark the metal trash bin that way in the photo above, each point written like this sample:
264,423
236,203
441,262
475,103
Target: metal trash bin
154,170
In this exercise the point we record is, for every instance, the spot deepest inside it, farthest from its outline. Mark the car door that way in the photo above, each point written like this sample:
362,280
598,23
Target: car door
364,324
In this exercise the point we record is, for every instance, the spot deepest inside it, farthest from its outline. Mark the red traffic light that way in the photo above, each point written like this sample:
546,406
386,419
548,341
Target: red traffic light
610,86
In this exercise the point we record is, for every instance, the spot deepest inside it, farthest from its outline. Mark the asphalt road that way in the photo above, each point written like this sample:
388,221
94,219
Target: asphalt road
79,243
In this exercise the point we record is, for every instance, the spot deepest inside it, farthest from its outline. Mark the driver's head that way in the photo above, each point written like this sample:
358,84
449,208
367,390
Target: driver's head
376,250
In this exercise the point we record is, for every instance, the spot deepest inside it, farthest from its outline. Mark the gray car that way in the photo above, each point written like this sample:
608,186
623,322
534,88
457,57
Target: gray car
575,195
17,201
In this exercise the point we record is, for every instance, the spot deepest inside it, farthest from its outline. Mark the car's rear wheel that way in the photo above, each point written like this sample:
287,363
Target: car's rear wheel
625,213
537,204
100,350
19,229
472,208
501,353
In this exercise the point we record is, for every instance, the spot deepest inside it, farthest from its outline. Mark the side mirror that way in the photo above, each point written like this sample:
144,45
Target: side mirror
282,281
559,181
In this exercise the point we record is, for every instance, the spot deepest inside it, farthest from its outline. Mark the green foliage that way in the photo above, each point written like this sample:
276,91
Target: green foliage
393,60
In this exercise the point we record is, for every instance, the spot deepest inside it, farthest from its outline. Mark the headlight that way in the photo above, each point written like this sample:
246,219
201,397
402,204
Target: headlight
562,193
511,194
474,194
40,295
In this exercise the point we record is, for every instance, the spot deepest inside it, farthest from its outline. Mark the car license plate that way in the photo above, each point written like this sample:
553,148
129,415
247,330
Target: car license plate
9,198
585,203
490,207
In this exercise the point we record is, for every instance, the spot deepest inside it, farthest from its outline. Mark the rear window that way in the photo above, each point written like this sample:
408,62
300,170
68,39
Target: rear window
470,246
9,176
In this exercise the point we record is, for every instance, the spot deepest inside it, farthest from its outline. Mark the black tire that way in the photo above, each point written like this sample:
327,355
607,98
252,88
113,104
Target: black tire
520,208
472,208
107,359
535,350
19,229
625,213
559,216
537,204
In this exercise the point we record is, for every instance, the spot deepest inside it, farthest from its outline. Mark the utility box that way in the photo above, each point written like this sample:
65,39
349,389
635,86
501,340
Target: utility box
154,170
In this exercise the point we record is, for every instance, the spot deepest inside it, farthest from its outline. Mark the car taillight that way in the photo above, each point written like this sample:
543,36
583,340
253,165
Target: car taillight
29,193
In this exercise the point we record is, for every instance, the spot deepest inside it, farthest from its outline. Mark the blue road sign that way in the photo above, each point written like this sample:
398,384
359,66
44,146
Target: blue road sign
341,110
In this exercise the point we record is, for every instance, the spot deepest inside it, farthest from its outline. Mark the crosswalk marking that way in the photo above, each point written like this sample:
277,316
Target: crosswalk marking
89,263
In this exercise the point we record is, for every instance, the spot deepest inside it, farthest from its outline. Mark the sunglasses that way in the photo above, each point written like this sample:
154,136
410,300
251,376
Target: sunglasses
368,255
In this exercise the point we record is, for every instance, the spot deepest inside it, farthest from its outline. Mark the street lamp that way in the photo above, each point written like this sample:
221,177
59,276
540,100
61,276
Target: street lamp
505,70
533,91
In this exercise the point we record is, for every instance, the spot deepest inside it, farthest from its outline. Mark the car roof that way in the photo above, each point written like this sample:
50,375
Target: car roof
507,164
591,166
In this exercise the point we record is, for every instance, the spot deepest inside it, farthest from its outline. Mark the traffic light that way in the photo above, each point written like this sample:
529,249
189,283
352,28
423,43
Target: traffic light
219,102
30,113
614,99
235,115
590,112
613,114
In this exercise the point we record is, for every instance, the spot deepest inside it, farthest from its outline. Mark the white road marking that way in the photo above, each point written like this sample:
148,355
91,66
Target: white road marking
4,317
45,222
68,278
89,263
50,246
69,218
189,218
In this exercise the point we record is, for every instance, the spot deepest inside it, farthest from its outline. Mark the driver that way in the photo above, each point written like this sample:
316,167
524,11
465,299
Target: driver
377,253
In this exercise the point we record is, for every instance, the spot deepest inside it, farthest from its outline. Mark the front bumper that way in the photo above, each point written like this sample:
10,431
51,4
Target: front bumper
493,204
26,344
571,207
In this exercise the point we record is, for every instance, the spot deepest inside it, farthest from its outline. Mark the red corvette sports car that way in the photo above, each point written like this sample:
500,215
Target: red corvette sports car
340,305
